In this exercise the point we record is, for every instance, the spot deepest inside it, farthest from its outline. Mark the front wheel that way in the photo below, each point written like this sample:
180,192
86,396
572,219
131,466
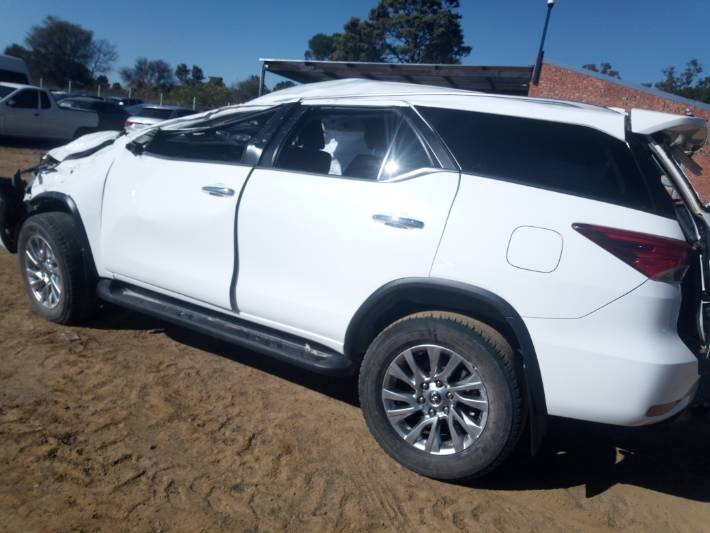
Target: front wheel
57,278
440,393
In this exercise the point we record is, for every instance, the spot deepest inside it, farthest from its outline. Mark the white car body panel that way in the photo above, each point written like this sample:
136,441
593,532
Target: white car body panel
82,144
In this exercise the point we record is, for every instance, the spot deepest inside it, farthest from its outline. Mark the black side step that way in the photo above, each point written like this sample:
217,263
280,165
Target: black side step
289,348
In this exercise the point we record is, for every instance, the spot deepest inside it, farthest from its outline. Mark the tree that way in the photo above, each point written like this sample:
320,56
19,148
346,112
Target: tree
115,86
148,73
406,31
182,72
103,56
247,89
216,80
102,81
197,74
285,84
604,68
688,83
58,51
320,47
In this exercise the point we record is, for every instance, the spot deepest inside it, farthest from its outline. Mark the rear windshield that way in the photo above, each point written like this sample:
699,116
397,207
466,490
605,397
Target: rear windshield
565,158
153,112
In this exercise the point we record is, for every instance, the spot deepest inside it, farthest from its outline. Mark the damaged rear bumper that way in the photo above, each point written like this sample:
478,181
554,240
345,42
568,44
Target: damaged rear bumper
12,210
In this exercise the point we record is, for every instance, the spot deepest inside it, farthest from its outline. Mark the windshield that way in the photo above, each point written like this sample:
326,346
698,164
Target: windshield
4,91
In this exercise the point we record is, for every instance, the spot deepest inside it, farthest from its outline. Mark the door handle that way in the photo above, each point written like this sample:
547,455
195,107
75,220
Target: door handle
398,222
218,190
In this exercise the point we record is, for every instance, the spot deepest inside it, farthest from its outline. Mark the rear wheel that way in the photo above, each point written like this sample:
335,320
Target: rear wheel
440,393
57,278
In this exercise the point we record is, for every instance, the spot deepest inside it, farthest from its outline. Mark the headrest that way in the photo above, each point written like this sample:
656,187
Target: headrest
311,135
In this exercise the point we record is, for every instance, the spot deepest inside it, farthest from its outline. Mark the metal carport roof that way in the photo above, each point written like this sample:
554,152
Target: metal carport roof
491,79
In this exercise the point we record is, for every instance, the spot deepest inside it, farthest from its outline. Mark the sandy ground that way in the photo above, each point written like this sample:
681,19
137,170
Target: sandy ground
128,424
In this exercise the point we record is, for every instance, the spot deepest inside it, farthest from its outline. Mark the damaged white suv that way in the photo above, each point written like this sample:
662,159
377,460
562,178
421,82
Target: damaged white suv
481,261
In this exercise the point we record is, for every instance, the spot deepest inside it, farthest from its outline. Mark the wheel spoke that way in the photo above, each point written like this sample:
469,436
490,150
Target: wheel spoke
456,439
433,441
42,272
416,431
399,414
469,426
31,257
453,362
434,353
476,403
403,397
419,376
468,384
396,371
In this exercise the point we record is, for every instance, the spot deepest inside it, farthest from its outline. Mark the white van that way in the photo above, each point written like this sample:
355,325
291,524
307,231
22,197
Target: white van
14,70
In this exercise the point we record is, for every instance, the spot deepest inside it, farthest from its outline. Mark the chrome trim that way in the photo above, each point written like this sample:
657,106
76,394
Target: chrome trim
398,222
218,190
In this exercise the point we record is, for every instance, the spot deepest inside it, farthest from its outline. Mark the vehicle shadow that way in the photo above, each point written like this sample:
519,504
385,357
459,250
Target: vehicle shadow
37,144
671,458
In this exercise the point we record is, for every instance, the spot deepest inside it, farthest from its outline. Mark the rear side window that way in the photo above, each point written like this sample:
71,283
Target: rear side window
566,158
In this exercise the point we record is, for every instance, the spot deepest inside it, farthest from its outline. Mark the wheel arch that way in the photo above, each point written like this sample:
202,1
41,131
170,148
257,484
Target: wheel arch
403,297
53,201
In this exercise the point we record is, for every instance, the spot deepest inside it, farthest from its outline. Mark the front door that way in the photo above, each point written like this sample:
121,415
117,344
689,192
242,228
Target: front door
168,220
353,201
22,117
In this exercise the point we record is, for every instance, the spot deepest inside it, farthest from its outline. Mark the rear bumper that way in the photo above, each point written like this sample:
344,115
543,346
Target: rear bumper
615,364
12,193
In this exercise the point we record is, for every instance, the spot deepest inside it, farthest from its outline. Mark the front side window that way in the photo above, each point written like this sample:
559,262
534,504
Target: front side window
407,154
44,99
566,158
340,142
26,99
223,142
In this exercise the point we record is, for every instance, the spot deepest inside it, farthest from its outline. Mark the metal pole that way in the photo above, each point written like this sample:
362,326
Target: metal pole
541,50
130,90
69,89
41,83
261,78
194,102
161,98
98,90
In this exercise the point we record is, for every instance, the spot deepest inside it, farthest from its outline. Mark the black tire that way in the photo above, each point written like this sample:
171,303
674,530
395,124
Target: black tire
77,299
481,346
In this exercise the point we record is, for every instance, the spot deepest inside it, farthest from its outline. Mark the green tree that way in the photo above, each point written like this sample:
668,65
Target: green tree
688,83
320,46
58,50
197,75
246,89
603,68
285,84
182,72
154,73
406,31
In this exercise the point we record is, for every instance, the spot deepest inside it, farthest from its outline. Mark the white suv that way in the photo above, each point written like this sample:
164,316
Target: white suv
481,261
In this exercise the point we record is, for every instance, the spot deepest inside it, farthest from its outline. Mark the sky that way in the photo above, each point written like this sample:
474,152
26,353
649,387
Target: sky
227,38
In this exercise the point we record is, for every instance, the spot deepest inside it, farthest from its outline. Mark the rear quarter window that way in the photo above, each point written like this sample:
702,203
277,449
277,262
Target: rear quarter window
566,158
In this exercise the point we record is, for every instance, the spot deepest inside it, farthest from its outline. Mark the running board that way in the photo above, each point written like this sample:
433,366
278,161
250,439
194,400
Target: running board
289,348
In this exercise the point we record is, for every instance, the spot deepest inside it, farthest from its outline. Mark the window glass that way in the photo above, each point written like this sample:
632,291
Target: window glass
562,157
13,77
44,99
4,91
26,99
340,142
225,142
407,154
155,112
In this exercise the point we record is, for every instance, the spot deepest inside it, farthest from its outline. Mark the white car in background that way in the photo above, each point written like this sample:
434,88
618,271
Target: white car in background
480,261
31,112
144,115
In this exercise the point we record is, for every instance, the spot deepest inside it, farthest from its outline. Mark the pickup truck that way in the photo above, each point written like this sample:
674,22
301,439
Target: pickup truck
28,111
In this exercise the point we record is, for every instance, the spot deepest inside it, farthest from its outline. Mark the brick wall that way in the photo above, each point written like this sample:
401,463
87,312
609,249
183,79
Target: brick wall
565,84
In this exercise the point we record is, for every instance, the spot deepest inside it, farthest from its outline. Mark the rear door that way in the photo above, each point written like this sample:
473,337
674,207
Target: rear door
351,198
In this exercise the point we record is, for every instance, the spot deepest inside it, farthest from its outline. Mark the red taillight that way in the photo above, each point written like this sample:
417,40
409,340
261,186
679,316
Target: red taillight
127,124
659,258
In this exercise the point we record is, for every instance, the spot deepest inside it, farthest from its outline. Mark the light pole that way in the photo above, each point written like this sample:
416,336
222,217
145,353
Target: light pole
541,51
